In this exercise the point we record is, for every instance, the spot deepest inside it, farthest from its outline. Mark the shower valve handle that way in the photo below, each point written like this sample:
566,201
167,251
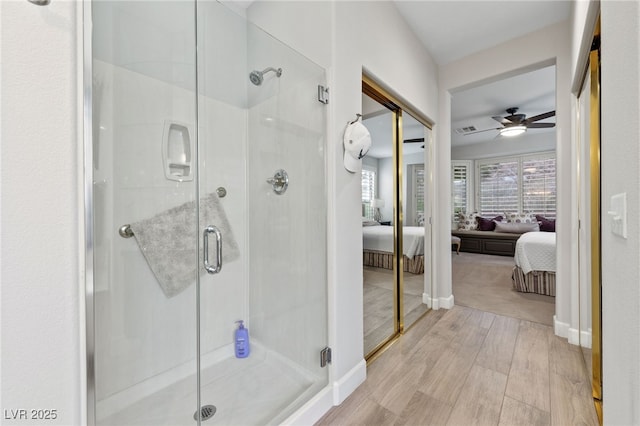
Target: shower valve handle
279,182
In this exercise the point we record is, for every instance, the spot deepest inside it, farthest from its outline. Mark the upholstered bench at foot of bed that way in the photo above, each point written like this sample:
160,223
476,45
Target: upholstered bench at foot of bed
541,282
487,242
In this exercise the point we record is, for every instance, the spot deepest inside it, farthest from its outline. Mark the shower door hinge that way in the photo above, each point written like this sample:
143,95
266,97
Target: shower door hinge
323,94
325,356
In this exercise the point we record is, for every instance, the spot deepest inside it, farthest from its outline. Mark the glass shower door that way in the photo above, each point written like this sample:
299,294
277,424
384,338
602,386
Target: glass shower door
262,139
210,209
146,232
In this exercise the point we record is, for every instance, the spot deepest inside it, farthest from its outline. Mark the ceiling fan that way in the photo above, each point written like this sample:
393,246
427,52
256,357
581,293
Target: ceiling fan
516,124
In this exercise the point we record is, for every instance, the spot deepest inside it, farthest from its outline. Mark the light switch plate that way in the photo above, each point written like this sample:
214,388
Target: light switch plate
618,214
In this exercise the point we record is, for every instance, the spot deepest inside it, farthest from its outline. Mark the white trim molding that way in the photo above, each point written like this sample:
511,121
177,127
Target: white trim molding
343,387
560,329
580,338
437,303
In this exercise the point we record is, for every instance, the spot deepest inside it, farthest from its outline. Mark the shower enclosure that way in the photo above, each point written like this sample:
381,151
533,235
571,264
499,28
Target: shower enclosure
207,175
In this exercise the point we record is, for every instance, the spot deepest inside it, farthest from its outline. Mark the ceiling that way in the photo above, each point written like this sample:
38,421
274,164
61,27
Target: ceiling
533,93
451,30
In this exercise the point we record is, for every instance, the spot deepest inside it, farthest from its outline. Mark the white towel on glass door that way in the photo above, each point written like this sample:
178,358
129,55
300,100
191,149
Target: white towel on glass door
167,242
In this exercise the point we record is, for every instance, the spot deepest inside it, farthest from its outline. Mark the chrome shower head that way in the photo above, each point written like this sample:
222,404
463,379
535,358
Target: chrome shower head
257,77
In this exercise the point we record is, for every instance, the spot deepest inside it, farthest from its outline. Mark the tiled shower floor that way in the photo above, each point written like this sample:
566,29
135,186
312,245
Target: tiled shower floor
258,390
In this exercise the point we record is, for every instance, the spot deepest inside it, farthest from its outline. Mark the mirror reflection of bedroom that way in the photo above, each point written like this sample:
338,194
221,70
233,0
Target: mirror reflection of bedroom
393,300
503,171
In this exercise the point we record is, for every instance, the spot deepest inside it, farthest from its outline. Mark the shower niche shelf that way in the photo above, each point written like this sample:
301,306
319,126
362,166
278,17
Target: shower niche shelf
177,151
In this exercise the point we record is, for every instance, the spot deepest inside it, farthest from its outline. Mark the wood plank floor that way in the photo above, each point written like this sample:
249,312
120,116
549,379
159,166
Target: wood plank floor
379,301
464,366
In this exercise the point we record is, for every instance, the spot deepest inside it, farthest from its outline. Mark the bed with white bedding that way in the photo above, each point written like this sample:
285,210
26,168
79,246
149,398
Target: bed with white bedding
535,258
377,244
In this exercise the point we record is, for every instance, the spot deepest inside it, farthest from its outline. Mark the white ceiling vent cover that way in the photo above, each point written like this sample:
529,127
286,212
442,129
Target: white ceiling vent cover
463,130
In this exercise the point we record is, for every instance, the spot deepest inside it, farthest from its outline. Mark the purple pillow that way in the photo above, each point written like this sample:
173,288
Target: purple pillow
546,225
485,224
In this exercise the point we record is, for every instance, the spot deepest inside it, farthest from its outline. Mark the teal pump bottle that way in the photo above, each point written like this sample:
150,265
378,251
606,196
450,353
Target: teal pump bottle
241,340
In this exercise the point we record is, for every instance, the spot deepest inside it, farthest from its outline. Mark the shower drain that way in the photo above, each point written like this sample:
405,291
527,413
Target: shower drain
206,412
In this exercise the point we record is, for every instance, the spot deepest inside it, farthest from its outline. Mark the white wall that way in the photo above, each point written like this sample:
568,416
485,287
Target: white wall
620,154
542,48
348,43
531,143
379,52
42,252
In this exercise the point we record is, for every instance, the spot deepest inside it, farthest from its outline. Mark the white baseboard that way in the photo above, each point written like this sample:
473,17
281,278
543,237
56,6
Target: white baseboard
437,303
446,302
573,335
580,338
427,300
345,385
313,410
560,329
585,339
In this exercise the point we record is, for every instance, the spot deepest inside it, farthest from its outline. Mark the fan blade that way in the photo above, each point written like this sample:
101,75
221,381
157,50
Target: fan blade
501,120
414,140
539,117
540,125
480,131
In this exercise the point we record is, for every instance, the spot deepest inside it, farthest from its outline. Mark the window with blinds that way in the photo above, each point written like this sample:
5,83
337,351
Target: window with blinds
539,186
498,190
459,188
368,192
418,191
517,185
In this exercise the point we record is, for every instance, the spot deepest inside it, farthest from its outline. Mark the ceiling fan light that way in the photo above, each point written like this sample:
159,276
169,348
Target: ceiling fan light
512,131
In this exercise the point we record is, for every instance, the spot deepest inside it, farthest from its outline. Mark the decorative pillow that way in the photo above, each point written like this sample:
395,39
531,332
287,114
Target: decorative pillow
546,225
517,228
520,218
467,221
485,224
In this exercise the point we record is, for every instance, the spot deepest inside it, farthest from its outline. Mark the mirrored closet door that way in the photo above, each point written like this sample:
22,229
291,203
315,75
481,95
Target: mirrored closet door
380,275
395,209
590,278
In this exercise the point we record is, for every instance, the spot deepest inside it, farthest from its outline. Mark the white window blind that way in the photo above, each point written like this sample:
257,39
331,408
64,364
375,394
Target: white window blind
525,184
460,188
418,190
539,186
498,190
368,192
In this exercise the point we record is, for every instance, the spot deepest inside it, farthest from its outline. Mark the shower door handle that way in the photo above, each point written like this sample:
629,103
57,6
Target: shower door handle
205,252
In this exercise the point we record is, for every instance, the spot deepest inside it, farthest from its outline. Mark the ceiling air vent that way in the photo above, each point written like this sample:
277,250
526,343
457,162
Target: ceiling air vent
463,130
